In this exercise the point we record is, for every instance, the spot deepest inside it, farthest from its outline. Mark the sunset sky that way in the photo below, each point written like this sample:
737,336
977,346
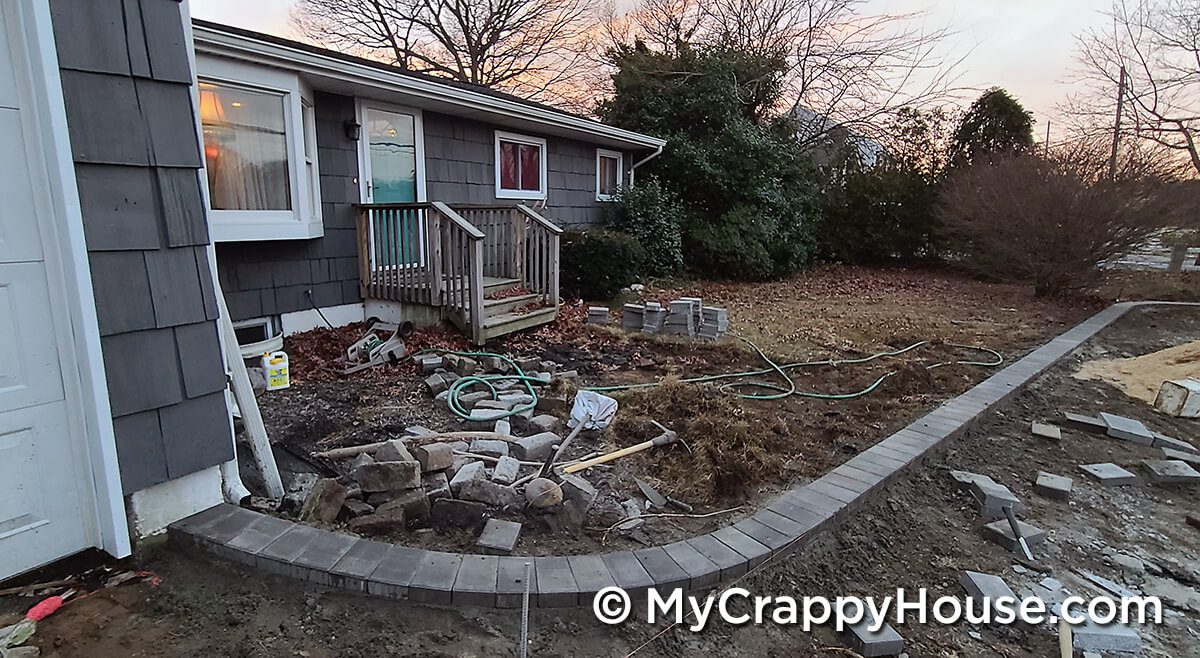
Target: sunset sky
1025,46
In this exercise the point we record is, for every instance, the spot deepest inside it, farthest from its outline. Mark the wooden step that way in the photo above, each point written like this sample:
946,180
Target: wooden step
493,284
507,323
494,307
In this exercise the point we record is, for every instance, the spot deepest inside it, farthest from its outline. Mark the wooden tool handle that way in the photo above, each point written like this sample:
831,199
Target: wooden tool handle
616,454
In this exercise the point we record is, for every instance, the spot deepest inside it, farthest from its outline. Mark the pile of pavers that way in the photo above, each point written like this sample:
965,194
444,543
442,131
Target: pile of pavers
686,316
1177,464
489,484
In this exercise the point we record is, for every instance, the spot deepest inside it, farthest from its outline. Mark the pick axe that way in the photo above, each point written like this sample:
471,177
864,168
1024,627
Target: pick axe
666,438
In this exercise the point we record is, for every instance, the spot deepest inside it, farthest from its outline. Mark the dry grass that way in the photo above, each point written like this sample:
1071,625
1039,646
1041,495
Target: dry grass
1124,285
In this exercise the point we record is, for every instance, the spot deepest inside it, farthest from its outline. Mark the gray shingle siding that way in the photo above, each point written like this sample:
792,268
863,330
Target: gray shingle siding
460,159
271,278
126,81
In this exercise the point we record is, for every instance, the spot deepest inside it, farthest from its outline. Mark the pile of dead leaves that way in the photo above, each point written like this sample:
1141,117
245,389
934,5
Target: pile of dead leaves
318,354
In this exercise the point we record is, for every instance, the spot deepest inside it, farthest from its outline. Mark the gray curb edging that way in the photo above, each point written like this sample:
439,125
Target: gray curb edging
787,523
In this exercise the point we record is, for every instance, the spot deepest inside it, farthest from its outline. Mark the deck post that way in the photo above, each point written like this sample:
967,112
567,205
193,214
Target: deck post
476,289
554,244
433,239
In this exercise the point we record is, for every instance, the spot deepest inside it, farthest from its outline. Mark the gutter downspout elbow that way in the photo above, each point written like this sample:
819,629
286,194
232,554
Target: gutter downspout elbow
632,170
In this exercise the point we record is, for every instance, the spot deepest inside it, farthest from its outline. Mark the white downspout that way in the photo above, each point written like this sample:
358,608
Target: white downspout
657,152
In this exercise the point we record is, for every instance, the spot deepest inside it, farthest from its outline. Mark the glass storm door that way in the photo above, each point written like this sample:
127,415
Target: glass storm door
392,162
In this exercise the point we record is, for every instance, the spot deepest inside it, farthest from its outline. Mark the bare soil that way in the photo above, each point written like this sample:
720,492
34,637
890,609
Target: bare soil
921,532
739,452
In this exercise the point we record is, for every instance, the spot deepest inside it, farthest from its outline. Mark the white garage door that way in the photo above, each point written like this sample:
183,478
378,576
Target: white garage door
44,481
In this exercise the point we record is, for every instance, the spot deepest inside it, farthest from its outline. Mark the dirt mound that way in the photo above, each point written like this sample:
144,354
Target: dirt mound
1141,377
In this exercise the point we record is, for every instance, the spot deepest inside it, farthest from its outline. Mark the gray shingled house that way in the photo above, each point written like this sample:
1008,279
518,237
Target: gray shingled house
305,179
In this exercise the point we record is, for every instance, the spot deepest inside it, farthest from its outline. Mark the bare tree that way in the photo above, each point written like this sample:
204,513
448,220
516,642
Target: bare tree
524,46
1157,43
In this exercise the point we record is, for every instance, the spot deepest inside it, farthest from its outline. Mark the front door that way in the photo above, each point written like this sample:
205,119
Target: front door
46,497
393,174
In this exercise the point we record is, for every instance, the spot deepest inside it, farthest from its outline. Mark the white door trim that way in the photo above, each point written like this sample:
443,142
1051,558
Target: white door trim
70,281
364,150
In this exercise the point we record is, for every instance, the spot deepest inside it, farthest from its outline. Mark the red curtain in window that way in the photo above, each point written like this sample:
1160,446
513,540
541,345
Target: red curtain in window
531,168
508,166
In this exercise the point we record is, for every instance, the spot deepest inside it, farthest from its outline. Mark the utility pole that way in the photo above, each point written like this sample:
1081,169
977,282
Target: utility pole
1112,160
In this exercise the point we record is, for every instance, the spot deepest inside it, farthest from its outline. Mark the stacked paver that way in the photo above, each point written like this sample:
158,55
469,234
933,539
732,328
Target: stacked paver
685,316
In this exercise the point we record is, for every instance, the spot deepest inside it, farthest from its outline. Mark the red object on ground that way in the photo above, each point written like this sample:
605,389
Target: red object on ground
45,608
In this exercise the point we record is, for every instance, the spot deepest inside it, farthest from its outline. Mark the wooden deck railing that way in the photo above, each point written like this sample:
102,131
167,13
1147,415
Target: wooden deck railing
429,253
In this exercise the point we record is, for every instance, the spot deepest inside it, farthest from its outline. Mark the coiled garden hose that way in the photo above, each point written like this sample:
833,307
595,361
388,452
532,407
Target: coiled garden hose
774,391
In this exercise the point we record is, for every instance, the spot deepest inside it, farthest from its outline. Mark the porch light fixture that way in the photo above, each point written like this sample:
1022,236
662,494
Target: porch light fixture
353,130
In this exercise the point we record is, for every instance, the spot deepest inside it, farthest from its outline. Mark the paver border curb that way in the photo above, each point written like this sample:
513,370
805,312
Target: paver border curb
786,524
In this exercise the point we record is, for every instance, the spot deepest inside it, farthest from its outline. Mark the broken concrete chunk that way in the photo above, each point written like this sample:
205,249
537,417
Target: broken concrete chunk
361,459
415,504
465,365
506,471
1170,471
324,501
436,383
388,476
1001,533
632,510
393,451
1128,429
489,447
429,363
471,471
536,448
354,508
964,479
983,586
489,493
468,400
417,430
380,522
502,405
993,497
1180,397
543,493
1109,474
485,419
434,456
569,375
527,363
1046,431
544,423
1055,487
503,427
436,484
548,366
552,404
870,644
1085,423
499,537
451,513
579,492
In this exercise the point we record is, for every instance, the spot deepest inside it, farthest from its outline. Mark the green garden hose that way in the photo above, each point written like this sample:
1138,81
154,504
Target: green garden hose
774,391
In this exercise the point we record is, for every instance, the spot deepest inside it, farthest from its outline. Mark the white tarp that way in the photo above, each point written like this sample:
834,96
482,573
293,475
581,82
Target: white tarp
601,409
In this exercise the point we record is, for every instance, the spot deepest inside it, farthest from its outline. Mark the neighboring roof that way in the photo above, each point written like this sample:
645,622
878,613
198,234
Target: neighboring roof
443,94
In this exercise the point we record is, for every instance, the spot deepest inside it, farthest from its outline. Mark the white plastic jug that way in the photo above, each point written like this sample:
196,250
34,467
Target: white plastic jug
275,369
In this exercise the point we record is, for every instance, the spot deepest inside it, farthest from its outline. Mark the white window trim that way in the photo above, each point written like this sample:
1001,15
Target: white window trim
303,221
364,160
620,158
540,193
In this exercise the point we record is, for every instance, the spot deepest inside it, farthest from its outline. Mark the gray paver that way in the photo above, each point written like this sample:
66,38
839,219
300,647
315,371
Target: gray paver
499,537
320,554
1109,474
883,642
475,582
769,537
1164,441
726,559
1171,453
556,584
666,573
259,534
277,556
510,582
1055,487
981,586
1091,636
355,567
1084,422
1046,431
1128,429
993,497
591,575
434,577
832,490
395,571
702,572
1001,533
628,571
1170,471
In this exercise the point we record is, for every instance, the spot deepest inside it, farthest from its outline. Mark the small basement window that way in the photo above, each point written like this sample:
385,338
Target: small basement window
520,167
609,170
259,152
258,336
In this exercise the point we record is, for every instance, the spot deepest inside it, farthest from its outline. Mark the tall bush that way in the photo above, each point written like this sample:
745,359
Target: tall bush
1053,222
653,215
595,265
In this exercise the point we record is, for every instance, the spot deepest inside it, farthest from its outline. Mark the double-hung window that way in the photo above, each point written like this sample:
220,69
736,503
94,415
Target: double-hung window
259,152
609,169
520,167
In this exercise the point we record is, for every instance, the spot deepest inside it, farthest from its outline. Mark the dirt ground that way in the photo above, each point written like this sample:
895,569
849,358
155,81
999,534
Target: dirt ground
921,533
742,452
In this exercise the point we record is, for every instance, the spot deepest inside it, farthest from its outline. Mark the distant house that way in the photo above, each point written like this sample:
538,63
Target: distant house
324,182
830,141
